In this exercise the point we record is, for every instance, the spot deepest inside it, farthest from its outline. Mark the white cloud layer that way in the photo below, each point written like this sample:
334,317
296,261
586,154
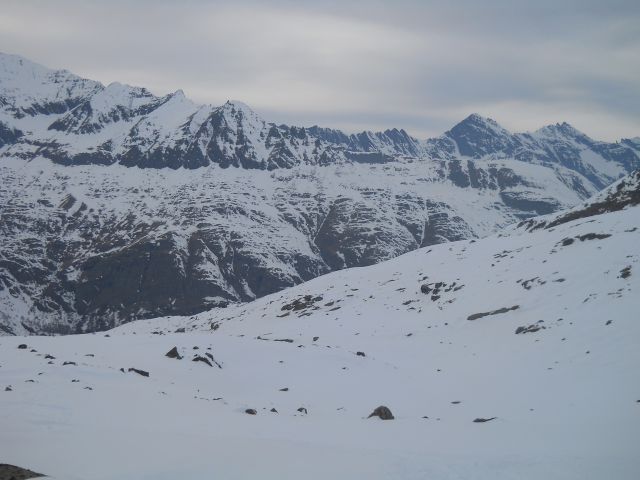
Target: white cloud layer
419,65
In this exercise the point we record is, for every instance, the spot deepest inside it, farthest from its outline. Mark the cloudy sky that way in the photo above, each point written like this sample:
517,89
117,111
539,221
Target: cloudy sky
419,65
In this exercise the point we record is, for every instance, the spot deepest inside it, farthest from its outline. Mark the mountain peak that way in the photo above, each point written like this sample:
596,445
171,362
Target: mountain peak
29,87
240,110
476,120
237,105
563,129
477,136
120,94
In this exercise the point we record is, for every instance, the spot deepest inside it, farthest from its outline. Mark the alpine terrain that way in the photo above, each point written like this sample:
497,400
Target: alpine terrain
119,205
510,356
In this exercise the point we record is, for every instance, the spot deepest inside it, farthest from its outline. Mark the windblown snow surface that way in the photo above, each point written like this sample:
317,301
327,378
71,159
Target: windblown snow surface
564,391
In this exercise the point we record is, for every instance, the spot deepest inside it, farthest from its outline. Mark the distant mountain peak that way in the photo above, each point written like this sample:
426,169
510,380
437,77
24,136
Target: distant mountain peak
238,105
475,119
563,129
477,136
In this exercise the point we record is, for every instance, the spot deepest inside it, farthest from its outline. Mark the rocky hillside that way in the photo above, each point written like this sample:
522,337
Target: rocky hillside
231,207
531,336
622,194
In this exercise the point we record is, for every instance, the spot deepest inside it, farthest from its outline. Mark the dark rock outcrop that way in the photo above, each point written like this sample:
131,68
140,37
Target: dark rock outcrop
173,353
483,420
11,472
476,316
382,412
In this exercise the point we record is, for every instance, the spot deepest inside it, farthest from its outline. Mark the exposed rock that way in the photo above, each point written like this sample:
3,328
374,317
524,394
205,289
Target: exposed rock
382,412
302,410
22,346
213,360
250,411
11,472
593,236
302,303
360,354
199,358
475,316
68,363
483,420
139,372
530,328
173,353
625,272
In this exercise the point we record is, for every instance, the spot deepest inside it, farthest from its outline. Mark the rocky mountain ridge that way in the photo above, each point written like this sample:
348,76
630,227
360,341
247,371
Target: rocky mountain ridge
231,207
71,120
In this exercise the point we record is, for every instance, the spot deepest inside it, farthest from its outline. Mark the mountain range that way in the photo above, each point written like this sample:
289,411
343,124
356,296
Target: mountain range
119,205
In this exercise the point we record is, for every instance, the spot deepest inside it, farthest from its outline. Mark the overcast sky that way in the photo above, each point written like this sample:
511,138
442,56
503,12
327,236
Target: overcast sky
355,65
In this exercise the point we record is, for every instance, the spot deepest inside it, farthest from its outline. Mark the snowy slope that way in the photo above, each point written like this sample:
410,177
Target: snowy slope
89,247
563,391
622,194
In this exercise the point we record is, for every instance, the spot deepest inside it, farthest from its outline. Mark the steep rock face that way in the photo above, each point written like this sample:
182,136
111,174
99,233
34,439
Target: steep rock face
88,247
477,136
8,135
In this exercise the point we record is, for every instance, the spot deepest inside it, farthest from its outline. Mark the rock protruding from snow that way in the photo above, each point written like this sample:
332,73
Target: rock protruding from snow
382,412
173,353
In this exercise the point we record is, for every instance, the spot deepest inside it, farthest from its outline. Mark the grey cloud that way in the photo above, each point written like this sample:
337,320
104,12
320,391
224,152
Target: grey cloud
418,65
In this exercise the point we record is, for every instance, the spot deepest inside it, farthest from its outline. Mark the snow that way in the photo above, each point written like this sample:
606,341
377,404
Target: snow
565,397
24,83
276,215
120,120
